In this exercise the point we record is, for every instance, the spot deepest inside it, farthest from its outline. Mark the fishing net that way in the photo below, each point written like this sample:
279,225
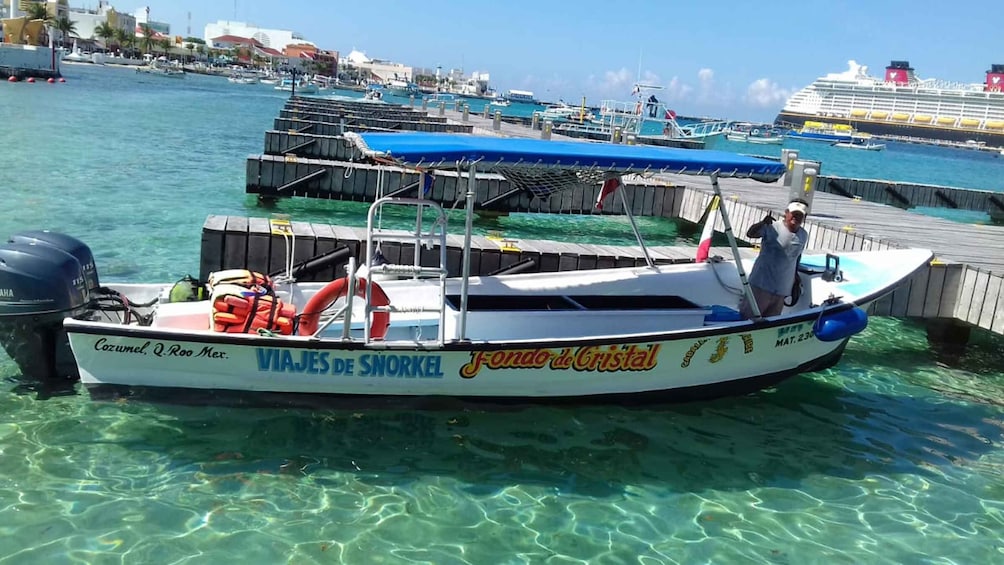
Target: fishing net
542,182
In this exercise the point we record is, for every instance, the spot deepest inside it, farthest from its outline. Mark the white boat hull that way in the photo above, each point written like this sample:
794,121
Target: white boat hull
658,340
609,367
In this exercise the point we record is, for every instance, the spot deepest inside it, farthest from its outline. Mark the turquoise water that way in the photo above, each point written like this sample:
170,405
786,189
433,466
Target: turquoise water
893,456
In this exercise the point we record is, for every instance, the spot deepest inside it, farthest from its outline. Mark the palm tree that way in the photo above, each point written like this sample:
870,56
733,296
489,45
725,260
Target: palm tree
123,37
146,43
38,11
165,44
105,32
66,29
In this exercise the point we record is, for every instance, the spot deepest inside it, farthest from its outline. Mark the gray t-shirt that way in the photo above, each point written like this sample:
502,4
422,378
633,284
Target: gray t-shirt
774,270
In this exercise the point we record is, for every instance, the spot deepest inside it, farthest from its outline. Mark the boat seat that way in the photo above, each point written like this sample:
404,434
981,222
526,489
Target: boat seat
183,315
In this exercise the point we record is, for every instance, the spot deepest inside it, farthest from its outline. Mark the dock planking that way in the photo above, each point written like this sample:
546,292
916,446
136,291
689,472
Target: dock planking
230,242
964,283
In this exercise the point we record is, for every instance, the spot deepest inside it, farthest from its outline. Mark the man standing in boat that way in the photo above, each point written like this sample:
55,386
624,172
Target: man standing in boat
775,268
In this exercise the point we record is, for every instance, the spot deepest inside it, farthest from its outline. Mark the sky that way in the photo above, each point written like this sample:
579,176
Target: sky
728,59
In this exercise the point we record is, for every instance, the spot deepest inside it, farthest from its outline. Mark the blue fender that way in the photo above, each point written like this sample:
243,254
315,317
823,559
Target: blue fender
840,325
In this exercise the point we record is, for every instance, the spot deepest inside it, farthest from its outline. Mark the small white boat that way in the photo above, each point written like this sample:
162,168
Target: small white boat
161,67
244,76
637,334
301,86
868,146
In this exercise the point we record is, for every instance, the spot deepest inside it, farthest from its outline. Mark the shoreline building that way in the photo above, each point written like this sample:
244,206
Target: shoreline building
276,39
17,8
143,18
87,20
380,70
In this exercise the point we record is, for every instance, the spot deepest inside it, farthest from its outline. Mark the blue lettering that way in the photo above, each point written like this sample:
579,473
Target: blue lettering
266,359
433,367
324,364
287,365
342,366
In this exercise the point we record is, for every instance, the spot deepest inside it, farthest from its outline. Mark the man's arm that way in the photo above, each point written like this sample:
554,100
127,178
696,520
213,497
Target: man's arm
756,230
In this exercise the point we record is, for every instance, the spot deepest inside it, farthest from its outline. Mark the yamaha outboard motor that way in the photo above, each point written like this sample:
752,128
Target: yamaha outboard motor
66,243
42,281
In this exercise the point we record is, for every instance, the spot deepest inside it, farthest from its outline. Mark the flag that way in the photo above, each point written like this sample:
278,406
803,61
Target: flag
704,247
610,184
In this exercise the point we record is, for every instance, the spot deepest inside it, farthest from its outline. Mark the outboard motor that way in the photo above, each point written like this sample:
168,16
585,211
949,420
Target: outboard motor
42,281
69,244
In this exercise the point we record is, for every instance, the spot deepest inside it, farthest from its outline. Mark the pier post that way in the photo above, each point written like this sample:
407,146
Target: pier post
442,108
456,105
486,111
467,113
616,135
803,181
497,121
630,139
535,121
545,131
411,99
425,105
788,157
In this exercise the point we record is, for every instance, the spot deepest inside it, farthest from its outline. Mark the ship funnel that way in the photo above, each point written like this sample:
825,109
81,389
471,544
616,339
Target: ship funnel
899,73
995,78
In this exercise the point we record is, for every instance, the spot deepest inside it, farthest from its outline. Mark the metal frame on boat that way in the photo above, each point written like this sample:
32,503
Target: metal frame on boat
657,332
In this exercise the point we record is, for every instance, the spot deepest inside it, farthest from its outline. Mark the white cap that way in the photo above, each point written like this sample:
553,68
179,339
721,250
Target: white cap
798,207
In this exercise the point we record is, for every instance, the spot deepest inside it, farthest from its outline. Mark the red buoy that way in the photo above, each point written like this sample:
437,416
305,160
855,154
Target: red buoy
12,78
62,79
51,80
31,79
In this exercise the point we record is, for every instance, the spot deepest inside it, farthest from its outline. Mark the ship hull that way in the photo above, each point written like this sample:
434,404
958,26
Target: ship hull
885,128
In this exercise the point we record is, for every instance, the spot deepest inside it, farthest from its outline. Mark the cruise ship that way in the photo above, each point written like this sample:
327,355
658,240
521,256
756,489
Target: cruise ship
900,104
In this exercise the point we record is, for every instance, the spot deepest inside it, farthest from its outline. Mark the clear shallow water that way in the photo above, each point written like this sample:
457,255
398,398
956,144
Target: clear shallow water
892,456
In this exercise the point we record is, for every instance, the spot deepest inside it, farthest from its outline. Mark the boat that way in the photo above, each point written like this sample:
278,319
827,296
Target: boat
302,86
161,67
427,327
244,76
400,87
563,112
867,146
645,118
761,134
825,131
445,97
521,96
909,102
499,101
373,91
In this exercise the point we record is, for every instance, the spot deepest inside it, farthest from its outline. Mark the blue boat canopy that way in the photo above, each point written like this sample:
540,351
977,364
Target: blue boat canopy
436,150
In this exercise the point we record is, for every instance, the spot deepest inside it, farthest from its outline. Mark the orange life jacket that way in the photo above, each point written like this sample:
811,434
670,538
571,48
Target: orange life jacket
240,277
238,309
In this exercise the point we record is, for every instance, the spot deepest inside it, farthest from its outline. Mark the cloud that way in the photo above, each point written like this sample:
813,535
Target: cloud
764,93
619,83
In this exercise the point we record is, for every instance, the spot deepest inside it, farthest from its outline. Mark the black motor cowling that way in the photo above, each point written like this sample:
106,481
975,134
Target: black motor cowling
43,281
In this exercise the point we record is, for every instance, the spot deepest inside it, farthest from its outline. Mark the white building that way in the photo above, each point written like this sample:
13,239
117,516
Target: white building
275,38
143,18
381,70
88,20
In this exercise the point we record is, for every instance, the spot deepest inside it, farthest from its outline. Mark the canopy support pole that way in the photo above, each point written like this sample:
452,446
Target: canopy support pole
747,290
634,227
465,281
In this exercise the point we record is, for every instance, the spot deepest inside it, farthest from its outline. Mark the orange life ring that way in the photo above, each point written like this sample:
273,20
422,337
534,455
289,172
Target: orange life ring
311,315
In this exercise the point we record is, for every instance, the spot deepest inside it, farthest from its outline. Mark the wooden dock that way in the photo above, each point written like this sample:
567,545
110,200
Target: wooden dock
964,284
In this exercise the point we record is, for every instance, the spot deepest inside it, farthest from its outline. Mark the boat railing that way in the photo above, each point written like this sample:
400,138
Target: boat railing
424,235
